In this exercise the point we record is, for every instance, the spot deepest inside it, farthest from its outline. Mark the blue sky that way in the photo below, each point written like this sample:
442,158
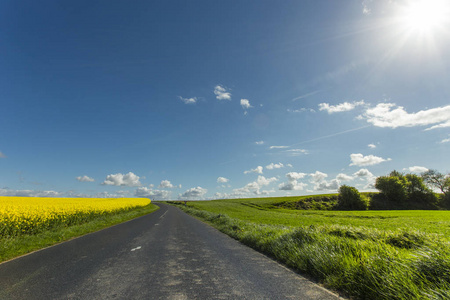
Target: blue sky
220,99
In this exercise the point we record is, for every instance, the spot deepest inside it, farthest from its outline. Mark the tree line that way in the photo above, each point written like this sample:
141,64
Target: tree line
400,191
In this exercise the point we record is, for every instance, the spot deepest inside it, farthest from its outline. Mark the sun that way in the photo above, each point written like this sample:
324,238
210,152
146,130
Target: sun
425,16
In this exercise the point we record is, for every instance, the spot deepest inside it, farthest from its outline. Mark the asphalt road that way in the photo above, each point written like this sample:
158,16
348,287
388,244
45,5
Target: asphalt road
164,255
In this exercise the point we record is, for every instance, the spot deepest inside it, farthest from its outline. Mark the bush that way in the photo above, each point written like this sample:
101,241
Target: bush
393,188
349,198
444,201
311,203
398,191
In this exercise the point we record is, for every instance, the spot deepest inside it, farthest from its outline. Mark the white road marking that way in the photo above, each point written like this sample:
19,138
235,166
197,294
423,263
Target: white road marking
163,214
137,248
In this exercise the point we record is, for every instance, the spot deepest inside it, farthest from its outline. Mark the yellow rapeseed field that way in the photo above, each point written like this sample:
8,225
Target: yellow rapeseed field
29,215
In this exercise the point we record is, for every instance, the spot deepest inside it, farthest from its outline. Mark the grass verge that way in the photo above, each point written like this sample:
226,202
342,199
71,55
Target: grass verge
11,247
360,262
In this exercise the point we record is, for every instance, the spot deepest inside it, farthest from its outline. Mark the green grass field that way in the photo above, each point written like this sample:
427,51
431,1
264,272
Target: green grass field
265,211
362,254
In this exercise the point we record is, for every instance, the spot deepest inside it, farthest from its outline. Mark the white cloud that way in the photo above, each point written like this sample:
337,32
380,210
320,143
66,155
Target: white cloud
240,192
255,186
222,180
218,195
221,93
166,184
367,176
290,152
85,178
28,193
104,195
291,176
267,192
194,193
274,166
370,184
293,184
346,106
192,100
123,193
119,179
145,192
445,140
259,143
442,125
360,160
75,194
318,176
118,194
327,186
2,155
416,169
363,173
245,104
303,109
258,170
262,181
296,152
390,115
320,184
344,177
366,9
372,146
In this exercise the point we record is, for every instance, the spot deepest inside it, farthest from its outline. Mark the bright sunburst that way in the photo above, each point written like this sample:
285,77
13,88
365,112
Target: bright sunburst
425,16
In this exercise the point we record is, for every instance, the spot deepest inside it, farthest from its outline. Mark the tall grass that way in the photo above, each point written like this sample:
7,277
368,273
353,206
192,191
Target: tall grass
364,263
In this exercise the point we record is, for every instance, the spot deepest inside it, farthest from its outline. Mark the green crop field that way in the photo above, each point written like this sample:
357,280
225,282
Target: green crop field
265,211
361,254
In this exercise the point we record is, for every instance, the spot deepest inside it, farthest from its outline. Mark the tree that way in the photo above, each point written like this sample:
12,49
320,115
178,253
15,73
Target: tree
350,198
437,180
418,193
396,174
393,188
440,181
404,191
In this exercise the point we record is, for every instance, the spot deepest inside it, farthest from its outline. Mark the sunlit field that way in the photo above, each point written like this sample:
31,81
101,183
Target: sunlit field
31,215
363,254
31,223
274,211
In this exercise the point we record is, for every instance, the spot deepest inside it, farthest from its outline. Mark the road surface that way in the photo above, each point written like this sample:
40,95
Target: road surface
164,255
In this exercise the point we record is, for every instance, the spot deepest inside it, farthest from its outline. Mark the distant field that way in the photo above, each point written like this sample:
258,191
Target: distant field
362,254
30,223
264,211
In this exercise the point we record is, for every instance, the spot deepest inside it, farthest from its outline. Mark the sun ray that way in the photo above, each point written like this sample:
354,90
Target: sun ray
425,16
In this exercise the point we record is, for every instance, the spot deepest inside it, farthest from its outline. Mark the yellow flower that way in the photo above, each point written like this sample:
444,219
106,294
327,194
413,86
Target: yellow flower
28,215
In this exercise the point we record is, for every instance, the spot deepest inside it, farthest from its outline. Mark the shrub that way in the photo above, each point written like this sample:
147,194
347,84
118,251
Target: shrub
314,203
444,201
349,198
393,188
398,191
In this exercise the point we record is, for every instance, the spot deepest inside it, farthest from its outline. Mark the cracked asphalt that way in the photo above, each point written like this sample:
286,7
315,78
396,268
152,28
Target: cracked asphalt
164,255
